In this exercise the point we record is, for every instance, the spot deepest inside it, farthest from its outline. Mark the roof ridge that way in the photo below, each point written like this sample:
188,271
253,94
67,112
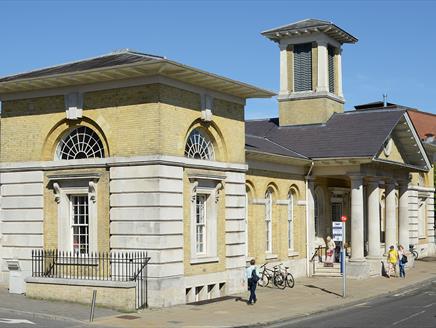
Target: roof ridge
297,22
277,144
415,110
134,52
115,52
381,110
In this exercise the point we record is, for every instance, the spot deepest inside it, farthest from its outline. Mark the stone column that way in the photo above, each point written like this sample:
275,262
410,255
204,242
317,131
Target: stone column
403,220
311,210
391,215
284,70
339,72
323,74
373,218
357,238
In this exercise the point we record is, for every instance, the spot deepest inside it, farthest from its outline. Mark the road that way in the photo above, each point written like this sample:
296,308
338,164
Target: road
415,308
10,319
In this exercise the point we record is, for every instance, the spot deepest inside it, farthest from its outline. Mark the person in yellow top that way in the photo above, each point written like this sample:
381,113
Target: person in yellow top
392,261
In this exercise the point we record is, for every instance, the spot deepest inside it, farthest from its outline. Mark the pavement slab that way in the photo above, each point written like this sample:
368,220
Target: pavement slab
50,310
309,296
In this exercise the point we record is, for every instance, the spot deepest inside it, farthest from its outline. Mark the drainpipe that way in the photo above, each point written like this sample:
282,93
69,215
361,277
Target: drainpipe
307,221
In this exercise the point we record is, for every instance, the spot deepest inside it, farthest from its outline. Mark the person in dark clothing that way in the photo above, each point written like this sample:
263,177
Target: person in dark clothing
253,275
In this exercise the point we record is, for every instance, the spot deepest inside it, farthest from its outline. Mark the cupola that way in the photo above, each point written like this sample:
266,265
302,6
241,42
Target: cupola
310,70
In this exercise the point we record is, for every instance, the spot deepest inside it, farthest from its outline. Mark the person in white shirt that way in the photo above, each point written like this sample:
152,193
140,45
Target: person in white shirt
253,276
330,252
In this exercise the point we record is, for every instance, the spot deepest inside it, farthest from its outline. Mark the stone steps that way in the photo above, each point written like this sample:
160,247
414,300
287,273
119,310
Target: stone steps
327,274
322,271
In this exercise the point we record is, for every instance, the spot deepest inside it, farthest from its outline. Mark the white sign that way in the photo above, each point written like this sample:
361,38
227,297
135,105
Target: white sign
338,233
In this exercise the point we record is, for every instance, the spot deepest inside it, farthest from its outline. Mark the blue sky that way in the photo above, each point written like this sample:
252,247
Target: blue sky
396,52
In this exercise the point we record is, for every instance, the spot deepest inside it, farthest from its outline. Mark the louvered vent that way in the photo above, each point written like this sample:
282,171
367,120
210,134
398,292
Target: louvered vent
303,67
331,63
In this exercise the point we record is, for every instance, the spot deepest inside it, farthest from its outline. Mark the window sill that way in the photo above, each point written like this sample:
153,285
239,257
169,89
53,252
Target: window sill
292,253
269,256
206,259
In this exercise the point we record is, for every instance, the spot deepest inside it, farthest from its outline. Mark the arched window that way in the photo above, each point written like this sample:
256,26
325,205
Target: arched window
268,219
290,220
199,146
80,143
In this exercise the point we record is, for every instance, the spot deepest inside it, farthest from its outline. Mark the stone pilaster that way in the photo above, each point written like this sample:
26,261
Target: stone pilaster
373,218
357,237
391,215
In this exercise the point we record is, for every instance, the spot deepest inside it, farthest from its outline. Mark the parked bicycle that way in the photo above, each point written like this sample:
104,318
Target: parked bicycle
277,277
289,278
414,252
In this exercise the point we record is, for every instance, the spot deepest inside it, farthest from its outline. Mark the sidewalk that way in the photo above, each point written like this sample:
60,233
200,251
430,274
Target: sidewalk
63,311
310,295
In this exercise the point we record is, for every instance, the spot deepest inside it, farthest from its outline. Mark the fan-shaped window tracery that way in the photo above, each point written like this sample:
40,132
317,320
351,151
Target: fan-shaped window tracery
80,143
199,146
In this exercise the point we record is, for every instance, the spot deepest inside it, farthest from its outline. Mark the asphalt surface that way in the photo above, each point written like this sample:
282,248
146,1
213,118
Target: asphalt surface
43,313
10,319
414,308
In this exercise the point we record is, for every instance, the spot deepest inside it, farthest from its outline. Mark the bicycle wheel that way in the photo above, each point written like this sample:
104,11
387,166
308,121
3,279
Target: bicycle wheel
290,280
279,280
264,280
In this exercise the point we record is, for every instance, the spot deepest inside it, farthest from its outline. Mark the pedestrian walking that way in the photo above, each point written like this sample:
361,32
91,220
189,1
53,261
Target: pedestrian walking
392,261
253,275
402,260
330,252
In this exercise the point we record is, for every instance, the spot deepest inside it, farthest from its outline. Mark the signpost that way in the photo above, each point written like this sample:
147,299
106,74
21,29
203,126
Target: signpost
344,276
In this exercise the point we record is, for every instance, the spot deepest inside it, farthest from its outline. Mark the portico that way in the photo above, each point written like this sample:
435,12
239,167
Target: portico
356,192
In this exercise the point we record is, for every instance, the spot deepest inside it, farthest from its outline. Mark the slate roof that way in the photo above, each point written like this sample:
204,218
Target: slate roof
125,64
308,26
109,60
263,145
350,134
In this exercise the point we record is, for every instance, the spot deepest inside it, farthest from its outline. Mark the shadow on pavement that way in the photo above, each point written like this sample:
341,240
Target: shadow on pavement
428,259
219,299
323,289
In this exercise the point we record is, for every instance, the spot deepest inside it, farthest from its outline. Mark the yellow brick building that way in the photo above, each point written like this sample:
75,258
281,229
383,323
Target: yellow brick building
107,159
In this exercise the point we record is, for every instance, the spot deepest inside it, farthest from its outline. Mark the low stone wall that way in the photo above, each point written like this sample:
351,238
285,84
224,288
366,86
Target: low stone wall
111,294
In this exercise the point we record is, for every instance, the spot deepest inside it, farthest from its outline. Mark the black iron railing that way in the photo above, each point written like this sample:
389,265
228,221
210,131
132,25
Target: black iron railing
318,254
109,266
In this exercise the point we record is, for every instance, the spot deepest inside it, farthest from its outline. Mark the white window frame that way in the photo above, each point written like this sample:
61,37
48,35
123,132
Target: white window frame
199,145
73,225
290,220
422,218
268,219
202,225
80,144
207,188
64,187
